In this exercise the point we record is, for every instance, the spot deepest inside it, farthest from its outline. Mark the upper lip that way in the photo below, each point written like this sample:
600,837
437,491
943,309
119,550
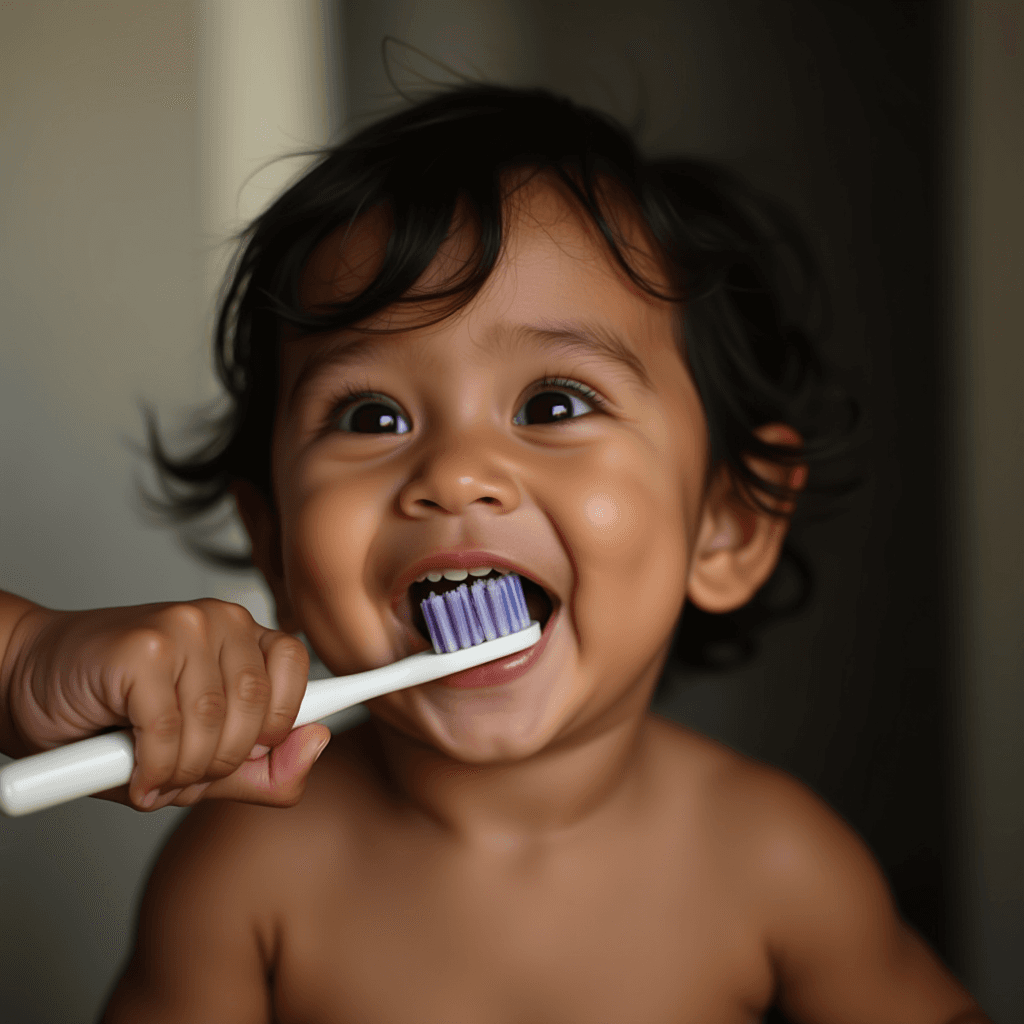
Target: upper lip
461,559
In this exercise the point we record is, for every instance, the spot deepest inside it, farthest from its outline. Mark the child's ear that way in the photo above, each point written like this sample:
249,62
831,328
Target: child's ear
738,545
260,521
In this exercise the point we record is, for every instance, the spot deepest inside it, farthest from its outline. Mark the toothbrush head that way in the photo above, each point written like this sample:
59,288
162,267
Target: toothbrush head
472,615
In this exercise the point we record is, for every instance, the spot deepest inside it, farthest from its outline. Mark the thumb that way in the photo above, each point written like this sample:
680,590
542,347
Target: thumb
278,778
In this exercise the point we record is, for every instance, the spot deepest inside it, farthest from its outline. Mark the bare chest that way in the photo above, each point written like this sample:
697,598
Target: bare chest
574,940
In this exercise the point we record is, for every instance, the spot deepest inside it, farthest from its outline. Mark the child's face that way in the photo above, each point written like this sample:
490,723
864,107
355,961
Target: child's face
599,505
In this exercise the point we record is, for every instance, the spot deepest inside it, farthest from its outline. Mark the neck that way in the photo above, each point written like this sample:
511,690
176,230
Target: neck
512,804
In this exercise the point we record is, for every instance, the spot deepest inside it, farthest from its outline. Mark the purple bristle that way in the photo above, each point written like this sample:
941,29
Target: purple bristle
524,608
478,595
498,610
507,586
467,616
475,632
515,589
444,639
457,617
428,617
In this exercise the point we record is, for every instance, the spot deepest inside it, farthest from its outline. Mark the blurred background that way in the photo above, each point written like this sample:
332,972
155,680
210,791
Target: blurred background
134,138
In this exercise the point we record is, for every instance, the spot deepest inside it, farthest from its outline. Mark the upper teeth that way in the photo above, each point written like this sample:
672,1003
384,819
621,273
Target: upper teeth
456,574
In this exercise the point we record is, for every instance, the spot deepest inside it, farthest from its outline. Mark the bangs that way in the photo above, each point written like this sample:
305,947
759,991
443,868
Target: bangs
470,190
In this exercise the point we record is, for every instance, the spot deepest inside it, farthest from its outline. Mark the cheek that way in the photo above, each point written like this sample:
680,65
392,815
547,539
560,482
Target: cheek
605,514
327,530
327,518
626,528
315,553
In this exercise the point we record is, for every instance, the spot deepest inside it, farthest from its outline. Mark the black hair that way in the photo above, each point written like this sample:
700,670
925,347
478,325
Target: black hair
735,264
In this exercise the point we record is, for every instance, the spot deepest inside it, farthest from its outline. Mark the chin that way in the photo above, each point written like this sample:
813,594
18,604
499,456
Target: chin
495,724
479,748
491,728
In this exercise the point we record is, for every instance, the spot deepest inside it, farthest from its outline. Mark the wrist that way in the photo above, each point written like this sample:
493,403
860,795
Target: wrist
20,622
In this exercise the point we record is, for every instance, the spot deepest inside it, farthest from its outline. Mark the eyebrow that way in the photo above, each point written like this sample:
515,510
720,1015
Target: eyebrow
339,352
578,337
588,339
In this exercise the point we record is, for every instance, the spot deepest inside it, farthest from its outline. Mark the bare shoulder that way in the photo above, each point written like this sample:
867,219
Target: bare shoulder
219,895
776,835
203,940
816,895
259,854
701,773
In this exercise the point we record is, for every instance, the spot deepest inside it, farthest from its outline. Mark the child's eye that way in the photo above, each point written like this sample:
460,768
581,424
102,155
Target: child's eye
371,413
560,399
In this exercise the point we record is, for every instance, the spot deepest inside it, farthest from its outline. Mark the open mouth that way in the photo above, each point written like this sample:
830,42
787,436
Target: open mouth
538,601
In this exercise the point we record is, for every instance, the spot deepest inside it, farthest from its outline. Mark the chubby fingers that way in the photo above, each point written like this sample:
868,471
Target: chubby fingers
278,778
264,684
153,708
198,715
286,664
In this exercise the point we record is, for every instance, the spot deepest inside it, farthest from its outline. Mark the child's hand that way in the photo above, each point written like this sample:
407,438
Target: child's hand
211,696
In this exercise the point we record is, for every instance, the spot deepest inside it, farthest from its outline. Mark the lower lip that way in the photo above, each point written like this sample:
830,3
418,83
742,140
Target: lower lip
504,670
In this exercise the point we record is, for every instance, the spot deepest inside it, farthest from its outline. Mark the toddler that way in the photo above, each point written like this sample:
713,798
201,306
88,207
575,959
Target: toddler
483,336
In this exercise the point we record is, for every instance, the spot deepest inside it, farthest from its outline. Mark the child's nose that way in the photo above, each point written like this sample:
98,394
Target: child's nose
455,475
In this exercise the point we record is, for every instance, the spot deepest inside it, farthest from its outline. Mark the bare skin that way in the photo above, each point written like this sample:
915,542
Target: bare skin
663,904
540,848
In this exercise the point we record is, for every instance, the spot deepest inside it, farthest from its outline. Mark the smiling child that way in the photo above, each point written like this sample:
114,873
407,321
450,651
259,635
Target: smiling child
484,336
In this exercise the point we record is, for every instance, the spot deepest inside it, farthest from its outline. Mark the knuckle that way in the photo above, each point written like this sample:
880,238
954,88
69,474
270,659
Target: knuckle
277,721
152,645
188,618
221,767
236,614
188,775
210,708
253,689
293,651
166,726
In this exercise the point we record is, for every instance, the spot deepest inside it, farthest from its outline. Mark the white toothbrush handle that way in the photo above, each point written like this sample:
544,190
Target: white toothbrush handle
102,762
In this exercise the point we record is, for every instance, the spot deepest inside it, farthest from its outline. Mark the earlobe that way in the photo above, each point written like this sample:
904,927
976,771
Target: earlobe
738,544
261,524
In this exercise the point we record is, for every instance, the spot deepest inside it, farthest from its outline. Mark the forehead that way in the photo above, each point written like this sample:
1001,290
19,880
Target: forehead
540,214
555,268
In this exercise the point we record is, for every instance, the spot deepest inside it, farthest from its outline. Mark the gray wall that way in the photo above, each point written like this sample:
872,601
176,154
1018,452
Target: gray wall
128,134
898,705
101,286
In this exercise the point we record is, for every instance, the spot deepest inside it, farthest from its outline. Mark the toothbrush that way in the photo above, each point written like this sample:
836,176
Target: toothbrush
469,626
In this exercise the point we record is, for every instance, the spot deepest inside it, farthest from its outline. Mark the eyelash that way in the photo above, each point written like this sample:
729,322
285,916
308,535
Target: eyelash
351,393
345,396
568,384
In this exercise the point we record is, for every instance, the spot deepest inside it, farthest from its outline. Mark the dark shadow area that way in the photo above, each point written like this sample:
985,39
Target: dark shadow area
851,695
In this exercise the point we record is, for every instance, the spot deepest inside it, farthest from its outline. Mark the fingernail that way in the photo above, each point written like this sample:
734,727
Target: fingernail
257,752
171,795
149,799
323,747
195,791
